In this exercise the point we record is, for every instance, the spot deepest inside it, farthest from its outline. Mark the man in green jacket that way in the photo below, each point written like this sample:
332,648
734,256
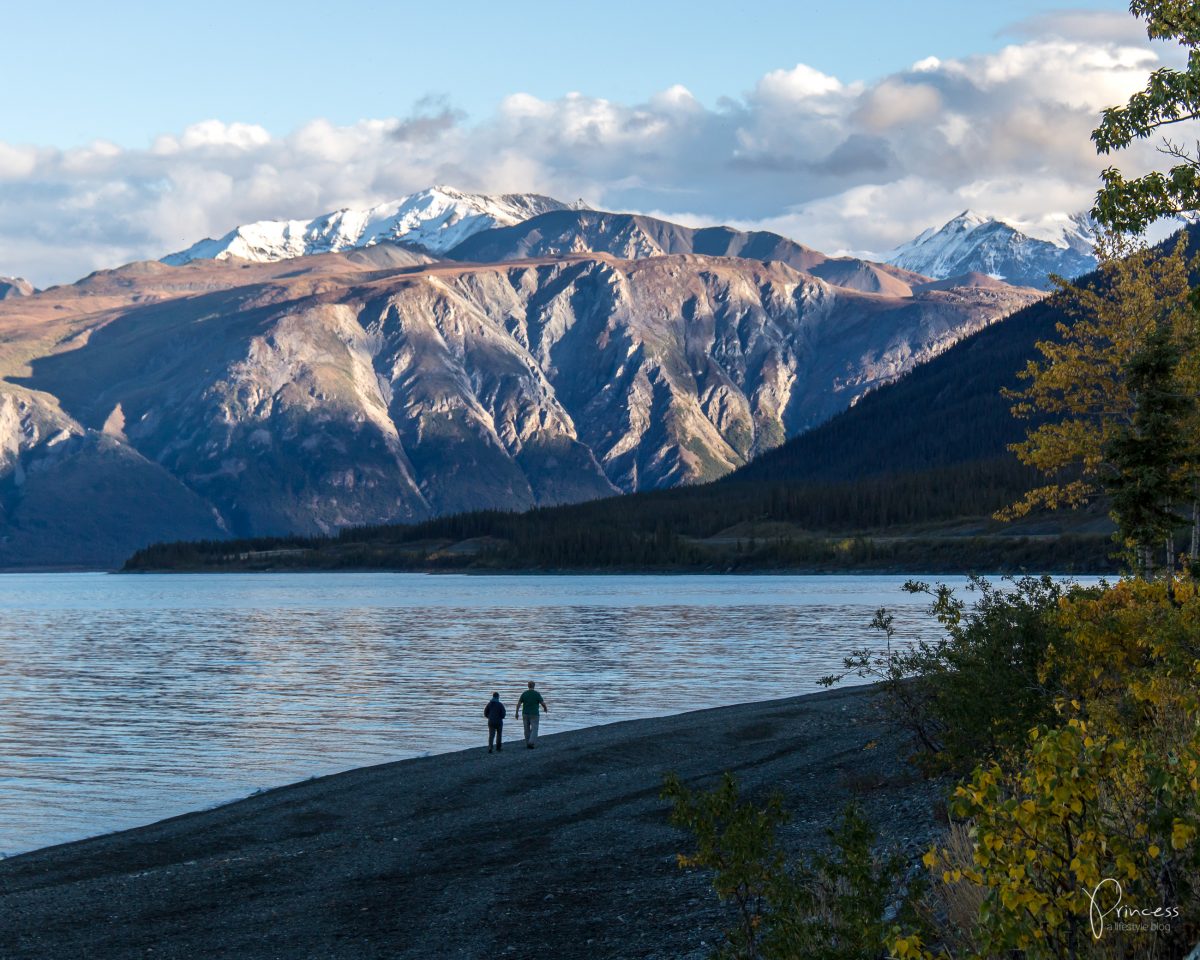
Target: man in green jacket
531,701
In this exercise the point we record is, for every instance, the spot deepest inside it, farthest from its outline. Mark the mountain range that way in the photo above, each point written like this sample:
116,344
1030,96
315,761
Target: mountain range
905,479
571,355
433,220
442,221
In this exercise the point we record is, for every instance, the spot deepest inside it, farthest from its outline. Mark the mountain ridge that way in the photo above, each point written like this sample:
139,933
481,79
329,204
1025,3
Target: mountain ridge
634,236
445,221
1021,254
433,220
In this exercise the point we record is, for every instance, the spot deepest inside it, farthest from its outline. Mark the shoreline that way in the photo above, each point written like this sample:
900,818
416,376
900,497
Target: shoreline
575,572
562,851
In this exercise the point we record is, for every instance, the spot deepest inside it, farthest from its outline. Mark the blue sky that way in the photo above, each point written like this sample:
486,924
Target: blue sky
75,71
132,130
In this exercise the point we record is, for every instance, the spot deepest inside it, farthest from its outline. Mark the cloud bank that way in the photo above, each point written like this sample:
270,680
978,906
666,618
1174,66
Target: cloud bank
840,166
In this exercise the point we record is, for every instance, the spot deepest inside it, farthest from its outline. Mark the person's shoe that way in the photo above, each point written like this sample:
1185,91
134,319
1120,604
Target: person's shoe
529,746
489,749
499,749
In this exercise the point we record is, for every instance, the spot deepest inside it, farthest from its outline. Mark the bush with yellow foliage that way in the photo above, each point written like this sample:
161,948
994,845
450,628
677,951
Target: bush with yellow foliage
1087,845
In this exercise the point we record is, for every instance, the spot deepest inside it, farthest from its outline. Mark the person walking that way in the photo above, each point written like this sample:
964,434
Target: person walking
495,713
531,702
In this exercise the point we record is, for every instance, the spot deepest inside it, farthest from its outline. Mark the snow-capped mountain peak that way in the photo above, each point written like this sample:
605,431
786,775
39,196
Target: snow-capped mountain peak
435,219
968,220
1021,252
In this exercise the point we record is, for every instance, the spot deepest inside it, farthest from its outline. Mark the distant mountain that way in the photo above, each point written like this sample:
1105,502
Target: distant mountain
434,220
374,386
11,287
628,236
633,236
1018,254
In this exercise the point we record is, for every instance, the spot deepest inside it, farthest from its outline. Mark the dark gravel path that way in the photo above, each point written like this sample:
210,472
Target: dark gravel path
558,852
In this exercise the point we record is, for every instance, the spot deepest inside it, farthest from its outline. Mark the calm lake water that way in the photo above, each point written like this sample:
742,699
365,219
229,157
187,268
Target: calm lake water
131,698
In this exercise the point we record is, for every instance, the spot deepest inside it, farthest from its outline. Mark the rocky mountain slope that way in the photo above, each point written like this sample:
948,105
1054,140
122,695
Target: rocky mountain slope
220,397
12,287
1018,254
434,220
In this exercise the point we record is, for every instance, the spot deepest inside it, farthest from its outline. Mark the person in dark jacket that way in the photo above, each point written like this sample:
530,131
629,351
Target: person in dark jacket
495,714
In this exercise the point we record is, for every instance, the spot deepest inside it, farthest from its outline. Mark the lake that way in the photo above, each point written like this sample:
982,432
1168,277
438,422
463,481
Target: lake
131,698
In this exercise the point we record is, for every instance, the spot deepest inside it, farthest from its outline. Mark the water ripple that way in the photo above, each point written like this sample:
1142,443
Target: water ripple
127,699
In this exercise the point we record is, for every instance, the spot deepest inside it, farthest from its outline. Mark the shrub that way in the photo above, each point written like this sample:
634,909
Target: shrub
836,906
972,693
1100,814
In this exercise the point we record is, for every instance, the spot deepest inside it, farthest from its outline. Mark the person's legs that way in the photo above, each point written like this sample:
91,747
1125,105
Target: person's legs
500,735
526,721
533,727
491,736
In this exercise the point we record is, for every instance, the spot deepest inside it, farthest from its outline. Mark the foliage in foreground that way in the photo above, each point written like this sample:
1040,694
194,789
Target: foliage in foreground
1099,815
1171,95
976,689
1075,833
829,907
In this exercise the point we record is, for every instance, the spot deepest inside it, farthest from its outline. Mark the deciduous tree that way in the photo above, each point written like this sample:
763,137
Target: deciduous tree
1097,422
1171,97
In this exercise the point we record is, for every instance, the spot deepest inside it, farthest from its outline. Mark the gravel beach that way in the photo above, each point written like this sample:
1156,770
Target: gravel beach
563,851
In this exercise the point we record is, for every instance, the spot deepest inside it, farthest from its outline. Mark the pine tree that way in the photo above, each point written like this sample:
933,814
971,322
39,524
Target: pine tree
1149,455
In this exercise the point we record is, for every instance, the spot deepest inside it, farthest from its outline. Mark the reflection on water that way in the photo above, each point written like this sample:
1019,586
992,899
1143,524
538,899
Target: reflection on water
131,698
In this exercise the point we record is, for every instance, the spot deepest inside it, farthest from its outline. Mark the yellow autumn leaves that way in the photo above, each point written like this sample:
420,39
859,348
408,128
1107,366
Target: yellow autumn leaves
1110,792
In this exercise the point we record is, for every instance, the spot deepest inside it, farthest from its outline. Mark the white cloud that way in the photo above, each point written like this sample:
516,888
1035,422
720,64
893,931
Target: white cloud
838,165
800,83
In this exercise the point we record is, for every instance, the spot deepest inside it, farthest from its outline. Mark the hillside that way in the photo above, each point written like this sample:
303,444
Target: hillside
948,411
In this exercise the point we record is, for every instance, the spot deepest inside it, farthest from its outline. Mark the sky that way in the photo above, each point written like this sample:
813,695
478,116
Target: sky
131,130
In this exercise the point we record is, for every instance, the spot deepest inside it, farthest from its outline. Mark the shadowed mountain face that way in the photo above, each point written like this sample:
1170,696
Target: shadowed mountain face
217,398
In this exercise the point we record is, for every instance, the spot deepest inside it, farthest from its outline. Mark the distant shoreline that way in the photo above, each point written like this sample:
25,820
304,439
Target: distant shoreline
466,853
572,572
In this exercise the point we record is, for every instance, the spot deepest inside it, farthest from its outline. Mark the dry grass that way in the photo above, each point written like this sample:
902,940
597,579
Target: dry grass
953,908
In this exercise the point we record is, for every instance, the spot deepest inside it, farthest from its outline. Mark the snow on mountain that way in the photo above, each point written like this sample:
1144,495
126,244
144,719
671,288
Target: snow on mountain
1018,252
11,287
436,219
